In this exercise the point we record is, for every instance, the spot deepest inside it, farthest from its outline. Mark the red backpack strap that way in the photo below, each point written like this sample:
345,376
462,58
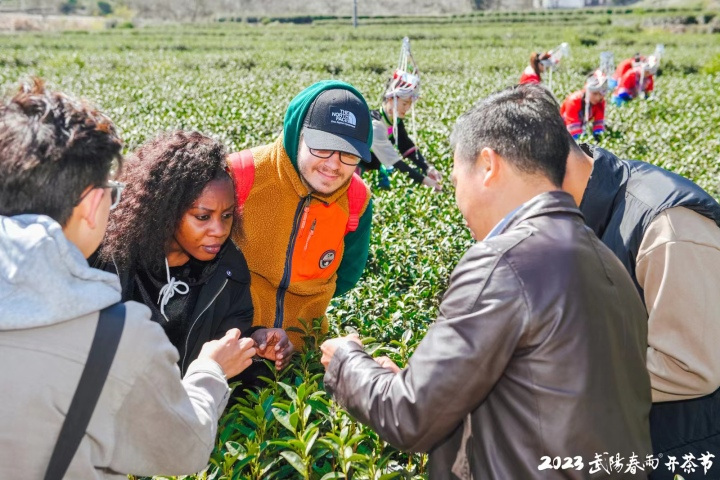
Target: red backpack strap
242,168
357,194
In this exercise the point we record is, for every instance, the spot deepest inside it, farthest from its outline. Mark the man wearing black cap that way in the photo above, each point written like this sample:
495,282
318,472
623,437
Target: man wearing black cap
306,217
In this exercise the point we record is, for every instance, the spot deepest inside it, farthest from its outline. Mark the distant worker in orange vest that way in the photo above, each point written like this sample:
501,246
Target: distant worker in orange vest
586,105
306,215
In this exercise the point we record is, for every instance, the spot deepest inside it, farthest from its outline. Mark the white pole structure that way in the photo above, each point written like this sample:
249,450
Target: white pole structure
659,51
556,54
586,120
355,19
607,63
641,90
550,80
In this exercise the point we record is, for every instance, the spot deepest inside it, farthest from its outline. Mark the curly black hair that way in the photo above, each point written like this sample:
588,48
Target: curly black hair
164,176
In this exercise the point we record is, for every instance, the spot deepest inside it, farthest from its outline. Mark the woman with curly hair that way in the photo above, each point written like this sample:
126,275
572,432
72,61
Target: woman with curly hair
169,241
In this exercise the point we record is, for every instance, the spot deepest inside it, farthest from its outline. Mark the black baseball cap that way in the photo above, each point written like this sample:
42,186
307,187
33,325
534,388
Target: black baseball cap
338,120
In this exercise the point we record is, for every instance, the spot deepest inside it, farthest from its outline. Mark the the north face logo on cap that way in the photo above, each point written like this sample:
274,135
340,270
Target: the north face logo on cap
343,117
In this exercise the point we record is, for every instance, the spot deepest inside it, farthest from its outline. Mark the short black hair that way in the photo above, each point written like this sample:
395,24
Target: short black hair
522,124
52,147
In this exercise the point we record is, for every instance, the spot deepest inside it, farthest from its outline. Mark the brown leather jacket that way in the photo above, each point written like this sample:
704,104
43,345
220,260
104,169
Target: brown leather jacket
538,350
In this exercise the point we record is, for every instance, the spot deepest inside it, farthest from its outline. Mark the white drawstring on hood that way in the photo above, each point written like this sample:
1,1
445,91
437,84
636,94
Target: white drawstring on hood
168,291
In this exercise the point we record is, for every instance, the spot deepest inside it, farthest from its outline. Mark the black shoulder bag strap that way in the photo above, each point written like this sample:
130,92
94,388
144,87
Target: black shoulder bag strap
102,352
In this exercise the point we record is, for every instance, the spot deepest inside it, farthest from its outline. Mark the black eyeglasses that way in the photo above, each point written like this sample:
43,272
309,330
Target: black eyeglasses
115,192
346,158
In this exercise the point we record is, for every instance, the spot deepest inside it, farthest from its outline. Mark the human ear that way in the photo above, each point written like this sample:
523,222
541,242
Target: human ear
91,204
490,163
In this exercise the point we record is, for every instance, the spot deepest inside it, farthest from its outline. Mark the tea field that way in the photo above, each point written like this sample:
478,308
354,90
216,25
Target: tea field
233,81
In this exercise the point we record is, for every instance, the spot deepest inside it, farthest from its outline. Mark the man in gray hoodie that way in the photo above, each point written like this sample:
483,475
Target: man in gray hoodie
56,159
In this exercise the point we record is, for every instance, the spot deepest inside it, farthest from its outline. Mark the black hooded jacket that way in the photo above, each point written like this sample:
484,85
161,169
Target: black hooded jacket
218,301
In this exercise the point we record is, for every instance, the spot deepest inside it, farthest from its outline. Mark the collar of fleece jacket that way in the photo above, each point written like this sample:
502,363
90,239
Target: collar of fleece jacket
295,114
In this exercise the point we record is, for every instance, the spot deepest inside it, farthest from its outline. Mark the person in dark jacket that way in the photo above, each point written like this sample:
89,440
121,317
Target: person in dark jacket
169,241
665,230
539,348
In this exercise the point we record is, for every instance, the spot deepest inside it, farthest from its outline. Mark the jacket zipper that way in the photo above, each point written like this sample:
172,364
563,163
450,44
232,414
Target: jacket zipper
312,232
187,339
285,281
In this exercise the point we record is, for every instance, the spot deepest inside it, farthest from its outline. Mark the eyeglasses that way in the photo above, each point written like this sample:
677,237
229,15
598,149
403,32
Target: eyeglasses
115,192
345,158
116,189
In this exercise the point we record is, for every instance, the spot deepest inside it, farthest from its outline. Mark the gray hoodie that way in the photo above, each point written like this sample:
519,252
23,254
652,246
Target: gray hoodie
44,279
147,421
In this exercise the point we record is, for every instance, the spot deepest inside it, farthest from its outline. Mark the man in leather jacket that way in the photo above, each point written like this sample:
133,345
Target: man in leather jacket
539,347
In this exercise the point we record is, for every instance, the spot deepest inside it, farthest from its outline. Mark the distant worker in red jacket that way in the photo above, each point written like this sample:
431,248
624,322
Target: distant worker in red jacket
538,63
638,81
586,105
